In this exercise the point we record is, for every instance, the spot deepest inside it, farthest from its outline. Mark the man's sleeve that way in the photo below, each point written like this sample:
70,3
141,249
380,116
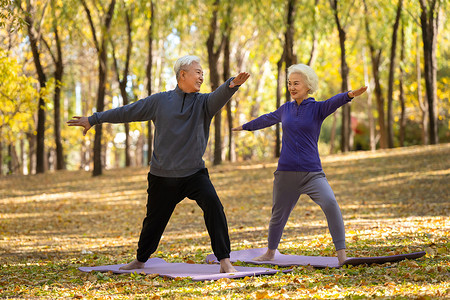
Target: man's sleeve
218,98
141,110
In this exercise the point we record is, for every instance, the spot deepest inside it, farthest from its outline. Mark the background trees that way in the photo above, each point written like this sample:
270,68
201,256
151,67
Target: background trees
59,54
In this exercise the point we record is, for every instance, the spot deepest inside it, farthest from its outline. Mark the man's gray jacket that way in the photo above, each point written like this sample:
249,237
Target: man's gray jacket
182,122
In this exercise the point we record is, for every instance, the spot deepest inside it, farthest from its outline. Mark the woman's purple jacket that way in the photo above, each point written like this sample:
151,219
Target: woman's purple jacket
301,129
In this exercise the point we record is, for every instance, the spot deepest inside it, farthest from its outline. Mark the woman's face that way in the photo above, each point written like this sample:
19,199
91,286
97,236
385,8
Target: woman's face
297,86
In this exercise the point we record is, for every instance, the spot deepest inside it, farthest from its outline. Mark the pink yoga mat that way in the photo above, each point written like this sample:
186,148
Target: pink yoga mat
283,260
198,272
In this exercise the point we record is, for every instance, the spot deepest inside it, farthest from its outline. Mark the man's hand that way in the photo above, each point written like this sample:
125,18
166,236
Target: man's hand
80,121
356,93
237,128
239,79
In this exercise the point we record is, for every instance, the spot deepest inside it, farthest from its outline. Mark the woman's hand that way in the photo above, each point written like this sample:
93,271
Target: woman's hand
239,79
358,92
237,128
80,121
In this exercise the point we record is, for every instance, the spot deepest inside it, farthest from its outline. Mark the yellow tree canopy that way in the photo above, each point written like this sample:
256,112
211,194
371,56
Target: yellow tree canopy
17,98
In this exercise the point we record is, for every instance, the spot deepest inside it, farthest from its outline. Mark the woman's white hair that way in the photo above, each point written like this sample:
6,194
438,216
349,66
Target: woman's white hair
310,77
183,62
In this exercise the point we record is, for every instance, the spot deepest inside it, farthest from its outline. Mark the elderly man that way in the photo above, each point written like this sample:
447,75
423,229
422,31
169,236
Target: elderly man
182,118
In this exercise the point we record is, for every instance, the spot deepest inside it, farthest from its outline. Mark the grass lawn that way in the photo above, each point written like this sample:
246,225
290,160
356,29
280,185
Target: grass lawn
393,201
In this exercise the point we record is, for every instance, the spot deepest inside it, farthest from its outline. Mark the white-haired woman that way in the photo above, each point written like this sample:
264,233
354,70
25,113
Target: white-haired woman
299,168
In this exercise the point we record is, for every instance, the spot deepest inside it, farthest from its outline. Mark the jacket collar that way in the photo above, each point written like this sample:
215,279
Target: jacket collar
181,93
307,100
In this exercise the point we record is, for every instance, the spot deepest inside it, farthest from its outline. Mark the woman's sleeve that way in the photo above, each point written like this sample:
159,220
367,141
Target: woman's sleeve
264,121
329,106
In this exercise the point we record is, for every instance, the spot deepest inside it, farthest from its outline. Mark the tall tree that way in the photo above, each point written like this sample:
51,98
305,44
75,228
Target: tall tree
390,100
313,53
231,154
280,79
429,21
401,89
34,37
58,76
123,79
287,58
148,69
375,54
346,109
17,109
423,104
372,139
100,44
213,59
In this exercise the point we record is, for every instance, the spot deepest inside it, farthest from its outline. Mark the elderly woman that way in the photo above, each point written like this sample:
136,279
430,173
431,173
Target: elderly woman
299,168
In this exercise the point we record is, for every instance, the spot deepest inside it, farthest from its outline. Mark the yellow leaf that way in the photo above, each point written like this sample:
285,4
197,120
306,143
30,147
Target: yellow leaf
224,280
261,294
441,250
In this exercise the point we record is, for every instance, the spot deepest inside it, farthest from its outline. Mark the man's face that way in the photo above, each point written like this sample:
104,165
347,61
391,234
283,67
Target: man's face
192,77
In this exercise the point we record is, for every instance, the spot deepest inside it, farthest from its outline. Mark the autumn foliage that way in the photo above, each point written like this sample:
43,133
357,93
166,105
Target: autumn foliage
393,201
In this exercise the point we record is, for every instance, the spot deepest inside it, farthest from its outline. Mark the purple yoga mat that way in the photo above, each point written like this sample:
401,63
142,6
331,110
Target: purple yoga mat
198,272
283,260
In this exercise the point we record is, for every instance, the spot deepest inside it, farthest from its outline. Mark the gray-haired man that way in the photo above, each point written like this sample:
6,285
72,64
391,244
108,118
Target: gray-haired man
182,118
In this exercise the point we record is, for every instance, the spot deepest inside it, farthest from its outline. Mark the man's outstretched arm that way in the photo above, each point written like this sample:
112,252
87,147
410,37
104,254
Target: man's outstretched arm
142,110
80,121
218,98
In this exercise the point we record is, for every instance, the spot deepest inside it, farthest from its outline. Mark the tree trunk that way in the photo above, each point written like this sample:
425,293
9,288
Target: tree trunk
423,104
375,55
31,152
213,58
401,90
278,104
333,133
102,72
231,153
59,72
101,47
1,152
124,94
313,53
390,113
346,109
372,142
58,75
22,157
149,78
40,137
289,57
123,81
10,160
429,20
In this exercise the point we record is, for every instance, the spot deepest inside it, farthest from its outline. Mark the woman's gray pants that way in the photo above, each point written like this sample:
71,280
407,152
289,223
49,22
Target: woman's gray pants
287,188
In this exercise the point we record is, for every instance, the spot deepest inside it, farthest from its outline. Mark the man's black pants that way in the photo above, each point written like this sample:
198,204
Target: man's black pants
164,193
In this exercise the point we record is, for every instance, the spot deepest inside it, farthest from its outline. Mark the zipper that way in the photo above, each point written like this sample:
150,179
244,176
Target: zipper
183,103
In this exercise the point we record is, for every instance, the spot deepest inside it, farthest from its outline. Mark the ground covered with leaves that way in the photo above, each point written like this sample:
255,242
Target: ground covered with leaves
393,201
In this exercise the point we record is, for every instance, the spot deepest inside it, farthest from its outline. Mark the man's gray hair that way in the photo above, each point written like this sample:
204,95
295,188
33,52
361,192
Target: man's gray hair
183,62
310,77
